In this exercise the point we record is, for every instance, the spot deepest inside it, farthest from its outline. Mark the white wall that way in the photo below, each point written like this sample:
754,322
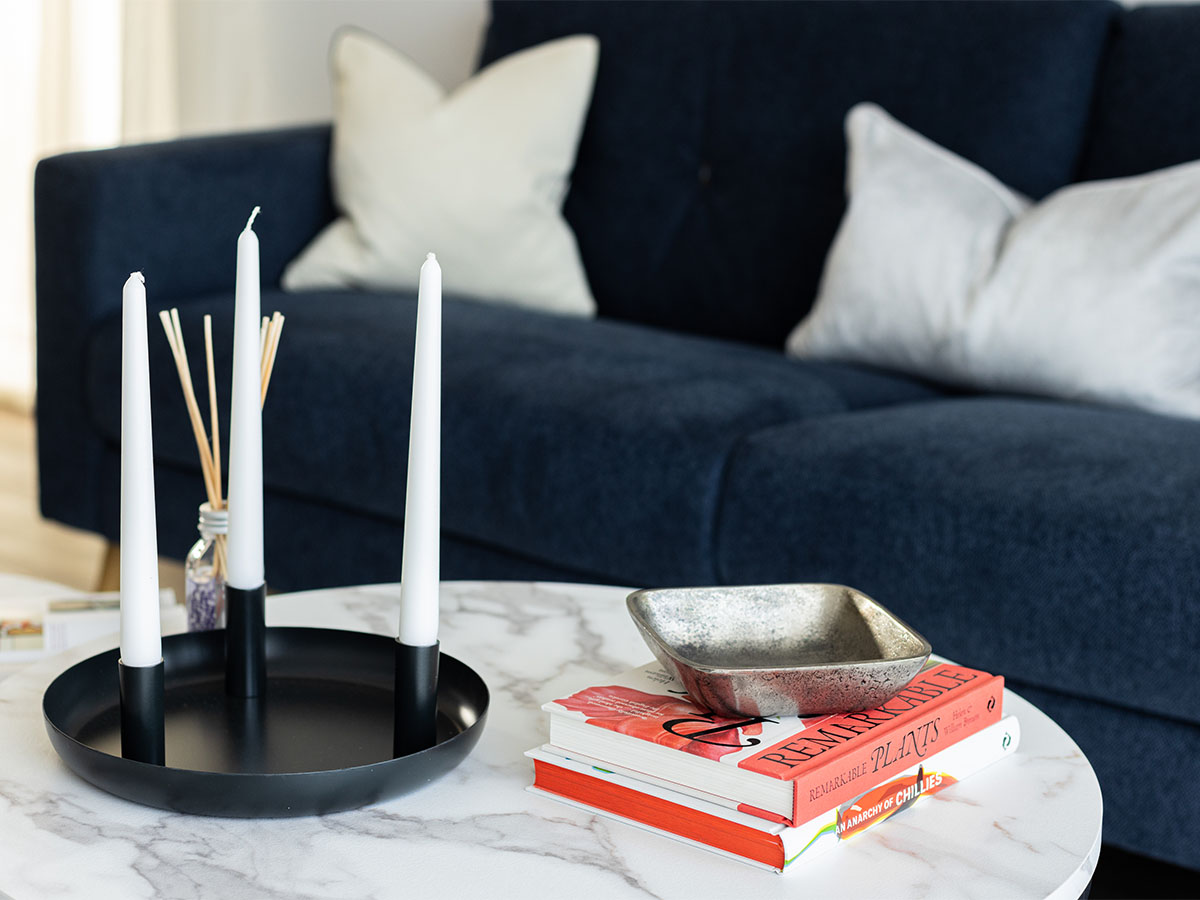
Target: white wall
17,153
262,63
60,71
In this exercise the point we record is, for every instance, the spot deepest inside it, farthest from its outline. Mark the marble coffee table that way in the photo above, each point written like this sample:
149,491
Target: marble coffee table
1029,826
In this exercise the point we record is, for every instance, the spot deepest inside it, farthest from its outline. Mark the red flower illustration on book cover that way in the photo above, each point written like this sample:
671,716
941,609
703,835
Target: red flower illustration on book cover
671,721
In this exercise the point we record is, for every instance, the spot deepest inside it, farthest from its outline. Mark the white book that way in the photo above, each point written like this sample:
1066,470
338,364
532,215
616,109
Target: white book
34,628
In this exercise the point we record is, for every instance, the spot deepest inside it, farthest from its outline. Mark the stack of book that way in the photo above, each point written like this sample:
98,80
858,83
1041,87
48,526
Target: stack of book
768,791
32,628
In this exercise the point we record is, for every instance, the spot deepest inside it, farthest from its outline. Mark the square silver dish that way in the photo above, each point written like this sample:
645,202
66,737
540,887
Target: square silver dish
779,650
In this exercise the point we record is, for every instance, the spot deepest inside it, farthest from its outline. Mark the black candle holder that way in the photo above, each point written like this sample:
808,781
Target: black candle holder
416,698
245,634
317,737
143,736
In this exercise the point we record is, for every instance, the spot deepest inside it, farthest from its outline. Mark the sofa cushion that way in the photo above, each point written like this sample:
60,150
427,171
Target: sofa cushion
477,175
1146,103
708,182
1030,538
1093,294
564,440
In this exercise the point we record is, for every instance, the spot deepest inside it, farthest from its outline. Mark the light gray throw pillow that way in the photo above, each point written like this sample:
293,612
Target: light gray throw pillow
941,271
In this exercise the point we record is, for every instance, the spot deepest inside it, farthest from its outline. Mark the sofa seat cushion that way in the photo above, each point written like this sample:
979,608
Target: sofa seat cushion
597,446
1035,539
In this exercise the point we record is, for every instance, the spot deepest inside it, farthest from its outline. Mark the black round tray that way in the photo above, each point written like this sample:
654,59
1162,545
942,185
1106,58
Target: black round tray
318,741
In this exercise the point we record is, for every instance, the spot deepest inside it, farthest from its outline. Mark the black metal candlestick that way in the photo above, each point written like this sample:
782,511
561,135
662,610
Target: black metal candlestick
416,698
245,641
143,733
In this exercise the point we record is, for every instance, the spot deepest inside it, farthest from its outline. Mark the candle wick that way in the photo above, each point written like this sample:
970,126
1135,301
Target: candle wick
139,276
253,216
431,256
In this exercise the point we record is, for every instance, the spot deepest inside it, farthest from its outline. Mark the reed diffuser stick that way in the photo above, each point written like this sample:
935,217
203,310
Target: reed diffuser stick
210,455
175,339
274,330
213,418
215,421
219,557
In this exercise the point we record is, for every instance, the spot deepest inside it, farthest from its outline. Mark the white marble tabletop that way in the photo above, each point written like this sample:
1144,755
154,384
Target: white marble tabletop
1029,826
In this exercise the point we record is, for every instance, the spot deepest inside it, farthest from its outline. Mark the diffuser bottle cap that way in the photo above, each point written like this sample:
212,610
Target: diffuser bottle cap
213,521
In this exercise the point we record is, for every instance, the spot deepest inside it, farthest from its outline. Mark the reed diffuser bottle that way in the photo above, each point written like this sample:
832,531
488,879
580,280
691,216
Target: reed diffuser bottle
204,572
206,566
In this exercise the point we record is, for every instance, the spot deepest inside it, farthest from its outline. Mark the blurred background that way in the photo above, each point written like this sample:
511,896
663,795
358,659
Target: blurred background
82,74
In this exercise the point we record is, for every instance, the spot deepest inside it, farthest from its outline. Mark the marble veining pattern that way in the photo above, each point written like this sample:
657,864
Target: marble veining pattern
1027,827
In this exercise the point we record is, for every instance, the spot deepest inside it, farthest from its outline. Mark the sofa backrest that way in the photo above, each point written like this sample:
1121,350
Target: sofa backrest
1147,108
709,180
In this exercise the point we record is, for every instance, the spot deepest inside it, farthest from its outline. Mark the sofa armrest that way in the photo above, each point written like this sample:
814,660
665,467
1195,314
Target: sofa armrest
172,210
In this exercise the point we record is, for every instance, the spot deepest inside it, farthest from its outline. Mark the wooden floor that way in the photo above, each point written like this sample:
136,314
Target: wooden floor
31,545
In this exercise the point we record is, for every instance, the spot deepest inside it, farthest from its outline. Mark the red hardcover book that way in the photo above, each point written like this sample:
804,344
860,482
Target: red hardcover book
786,769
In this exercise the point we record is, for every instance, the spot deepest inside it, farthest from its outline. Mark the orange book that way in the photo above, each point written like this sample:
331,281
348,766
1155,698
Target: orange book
645,726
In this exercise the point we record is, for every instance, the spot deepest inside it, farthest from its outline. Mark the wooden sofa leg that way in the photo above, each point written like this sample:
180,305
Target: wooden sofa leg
110,569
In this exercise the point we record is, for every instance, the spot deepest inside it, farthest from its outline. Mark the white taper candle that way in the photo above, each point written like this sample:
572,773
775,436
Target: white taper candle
141,631
245,502
422,505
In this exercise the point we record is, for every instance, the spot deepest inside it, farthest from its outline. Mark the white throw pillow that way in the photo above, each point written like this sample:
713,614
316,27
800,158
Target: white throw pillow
477,176
940,270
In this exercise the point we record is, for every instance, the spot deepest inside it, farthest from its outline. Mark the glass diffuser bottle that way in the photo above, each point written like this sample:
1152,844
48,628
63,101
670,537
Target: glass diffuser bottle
204,572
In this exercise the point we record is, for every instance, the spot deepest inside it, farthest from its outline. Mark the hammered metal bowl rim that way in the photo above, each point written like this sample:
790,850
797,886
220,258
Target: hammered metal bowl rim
644,626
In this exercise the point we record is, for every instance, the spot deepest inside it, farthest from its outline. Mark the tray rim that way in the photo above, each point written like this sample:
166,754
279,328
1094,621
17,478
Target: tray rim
446,754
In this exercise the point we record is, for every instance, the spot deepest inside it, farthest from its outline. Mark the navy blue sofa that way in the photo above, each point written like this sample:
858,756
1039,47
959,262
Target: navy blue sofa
670,442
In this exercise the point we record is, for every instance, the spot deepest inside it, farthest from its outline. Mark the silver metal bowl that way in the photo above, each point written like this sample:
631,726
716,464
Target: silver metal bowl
781,649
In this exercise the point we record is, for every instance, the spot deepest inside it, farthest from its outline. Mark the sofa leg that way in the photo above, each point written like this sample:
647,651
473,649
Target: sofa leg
110,569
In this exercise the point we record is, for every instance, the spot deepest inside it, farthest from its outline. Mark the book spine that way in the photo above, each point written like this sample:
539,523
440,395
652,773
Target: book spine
858,767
